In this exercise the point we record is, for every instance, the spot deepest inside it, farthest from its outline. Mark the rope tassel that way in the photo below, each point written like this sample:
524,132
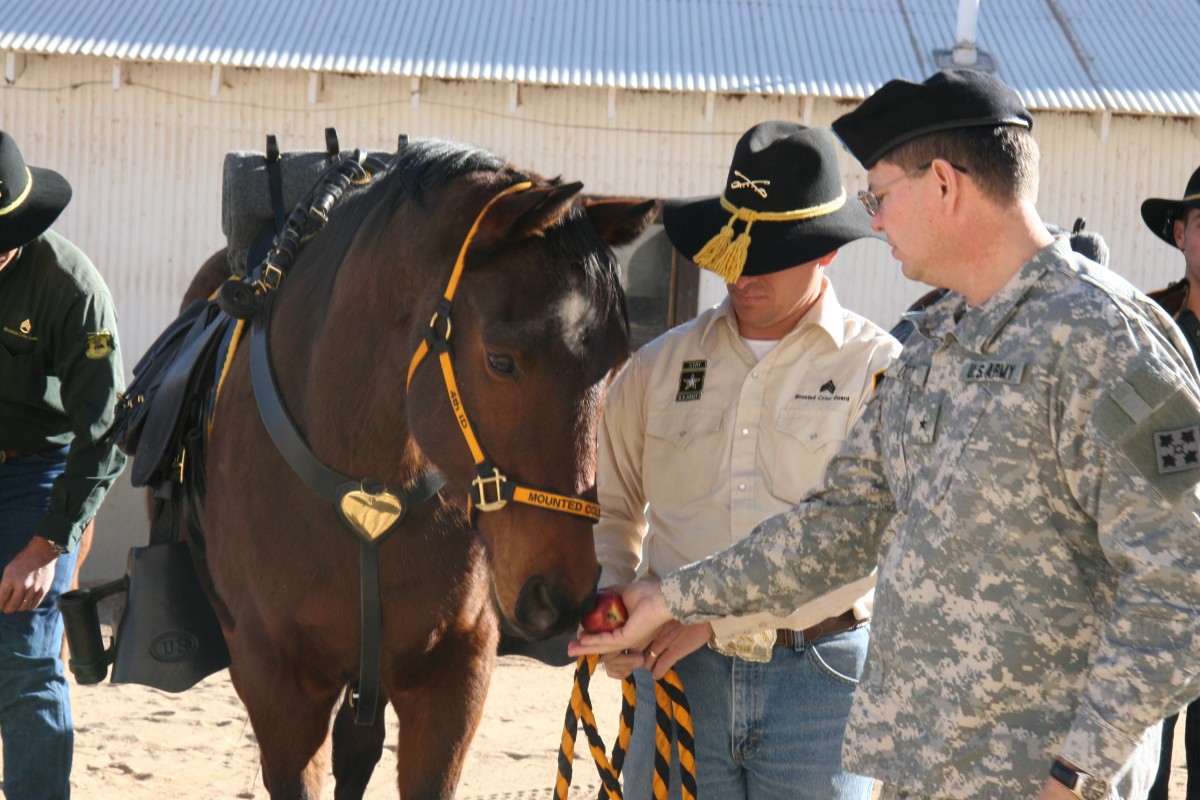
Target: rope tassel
725,255
671,706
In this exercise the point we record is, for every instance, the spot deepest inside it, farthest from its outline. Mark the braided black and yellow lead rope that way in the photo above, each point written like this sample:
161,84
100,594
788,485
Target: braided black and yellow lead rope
671,705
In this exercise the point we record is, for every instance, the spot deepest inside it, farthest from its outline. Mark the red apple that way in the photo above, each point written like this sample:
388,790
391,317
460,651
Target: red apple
607,615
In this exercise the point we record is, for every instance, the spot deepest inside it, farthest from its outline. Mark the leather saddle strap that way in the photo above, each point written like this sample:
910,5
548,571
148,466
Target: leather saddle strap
326,482
330,484
371,623
275,183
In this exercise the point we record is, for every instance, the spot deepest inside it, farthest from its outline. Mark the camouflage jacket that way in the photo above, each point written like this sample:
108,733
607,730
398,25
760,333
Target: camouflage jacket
1026,480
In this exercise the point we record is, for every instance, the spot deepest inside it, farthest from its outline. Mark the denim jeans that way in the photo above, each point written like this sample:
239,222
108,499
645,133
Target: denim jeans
35,711
762,731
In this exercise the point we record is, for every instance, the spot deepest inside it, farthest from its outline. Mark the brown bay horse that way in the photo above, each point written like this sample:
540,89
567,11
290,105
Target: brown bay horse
537,329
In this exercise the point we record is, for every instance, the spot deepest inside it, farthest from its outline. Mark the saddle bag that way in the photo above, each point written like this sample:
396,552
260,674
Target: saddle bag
165,633
168,390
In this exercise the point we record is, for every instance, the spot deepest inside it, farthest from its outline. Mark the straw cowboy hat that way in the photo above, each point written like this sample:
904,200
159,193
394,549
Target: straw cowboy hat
1160,213
783,205
31,198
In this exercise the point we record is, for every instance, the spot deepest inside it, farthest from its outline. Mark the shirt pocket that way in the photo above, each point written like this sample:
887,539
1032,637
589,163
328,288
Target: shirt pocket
803,441
22,375
682,454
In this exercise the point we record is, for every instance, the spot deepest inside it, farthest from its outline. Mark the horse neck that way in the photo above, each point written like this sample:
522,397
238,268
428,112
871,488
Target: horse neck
341,346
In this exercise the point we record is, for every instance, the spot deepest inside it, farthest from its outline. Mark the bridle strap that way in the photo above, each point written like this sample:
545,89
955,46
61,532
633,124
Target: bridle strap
491,490
452,284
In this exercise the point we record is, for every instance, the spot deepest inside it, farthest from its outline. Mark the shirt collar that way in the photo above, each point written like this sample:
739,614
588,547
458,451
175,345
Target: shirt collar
976,328
827,314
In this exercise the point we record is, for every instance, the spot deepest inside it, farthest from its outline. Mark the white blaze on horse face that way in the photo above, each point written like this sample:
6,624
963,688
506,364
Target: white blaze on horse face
578,317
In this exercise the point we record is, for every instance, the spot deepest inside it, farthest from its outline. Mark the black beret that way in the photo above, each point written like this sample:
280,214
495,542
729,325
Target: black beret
901,111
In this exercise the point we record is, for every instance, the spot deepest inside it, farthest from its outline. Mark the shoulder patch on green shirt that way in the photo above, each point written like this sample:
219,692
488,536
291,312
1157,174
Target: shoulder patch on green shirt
99,344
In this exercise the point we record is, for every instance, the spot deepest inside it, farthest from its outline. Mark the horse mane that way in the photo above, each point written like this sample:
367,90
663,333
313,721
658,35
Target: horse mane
423,165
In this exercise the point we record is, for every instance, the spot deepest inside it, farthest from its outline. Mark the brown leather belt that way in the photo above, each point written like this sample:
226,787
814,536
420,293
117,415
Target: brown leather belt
7,455
845,621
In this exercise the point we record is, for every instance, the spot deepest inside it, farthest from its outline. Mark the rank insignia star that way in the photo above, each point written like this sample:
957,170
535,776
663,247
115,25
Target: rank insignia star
1177,450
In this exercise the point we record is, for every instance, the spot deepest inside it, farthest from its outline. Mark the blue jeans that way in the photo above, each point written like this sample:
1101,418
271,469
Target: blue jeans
35,711
762,731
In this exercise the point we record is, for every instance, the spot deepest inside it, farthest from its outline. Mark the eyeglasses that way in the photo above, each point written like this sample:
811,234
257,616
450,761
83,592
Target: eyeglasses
871,199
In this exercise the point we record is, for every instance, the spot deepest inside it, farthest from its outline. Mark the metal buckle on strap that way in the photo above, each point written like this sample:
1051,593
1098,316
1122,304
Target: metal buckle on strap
481,482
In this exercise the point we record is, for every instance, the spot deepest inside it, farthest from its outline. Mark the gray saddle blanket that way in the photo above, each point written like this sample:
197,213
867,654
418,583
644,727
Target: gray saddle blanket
246,206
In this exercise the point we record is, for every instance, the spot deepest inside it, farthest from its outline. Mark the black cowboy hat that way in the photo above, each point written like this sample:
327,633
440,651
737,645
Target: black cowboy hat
783,205
31,198
1160,213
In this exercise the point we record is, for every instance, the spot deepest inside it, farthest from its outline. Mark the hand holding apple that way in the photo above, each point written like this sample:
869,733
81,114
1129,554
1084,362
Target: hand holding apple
607,614
647,612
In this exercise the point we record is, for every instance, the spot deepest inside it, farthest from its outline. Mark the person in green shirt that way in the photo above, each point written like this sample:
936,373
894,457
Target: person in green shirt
60,372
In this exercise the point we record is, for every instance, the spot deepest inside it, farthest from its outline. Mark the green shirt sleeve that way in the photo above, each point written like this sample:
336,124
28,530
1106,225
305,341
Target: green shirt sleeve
87,359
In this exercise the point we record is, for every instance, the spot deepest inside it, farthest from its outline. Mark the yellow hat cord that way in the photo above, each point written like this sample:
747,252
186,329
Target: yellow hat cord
726,256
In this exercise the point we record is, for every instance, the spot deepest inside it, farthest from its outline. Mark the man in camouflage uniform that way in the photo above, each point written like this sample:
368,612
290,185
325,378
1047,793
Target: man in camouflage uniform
1025,478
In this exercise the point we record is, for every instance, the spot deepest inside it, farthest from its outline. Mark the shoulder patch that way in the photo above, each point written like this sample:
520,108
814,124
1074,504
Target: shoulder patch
99,344
1155,424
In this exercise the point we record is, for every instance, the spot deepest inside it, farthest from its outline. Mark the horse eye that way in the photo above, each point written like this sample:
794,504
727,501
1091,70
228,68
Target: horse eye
503,365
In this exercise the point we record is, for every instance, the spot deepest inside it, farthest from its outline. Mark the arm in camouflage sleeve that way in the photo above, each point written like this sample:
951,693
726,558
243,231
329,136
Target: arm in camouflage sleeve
830,538
1146,512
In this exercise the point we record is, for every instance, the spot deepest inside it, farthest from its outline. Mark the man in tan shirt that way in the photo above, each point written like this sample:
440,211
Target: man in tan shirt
723,422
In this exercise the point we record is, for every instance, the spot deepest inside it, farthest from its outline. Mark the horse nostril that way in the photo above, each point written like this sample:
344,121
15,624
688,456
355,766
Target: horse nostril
540,608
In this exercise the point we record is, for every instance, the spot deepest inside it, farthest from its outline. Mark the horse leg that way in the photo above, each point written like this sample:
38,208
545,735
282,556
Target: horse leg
290,718
356,751
437,722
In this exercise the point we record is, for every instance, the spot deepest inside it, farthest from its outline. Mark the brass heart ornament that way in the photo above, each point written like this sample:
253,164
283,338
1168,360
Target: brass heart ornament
370,514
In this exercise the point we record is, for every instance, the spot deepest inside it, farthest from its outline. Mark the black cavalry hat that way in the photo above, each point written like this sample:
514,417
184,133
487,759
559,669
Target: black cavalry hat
783,205
31,198
1160,213
900,111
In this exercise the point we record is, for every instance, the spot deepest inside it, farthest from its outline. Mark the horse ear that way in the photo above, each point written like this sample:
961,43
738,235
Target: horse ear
620,221
528,213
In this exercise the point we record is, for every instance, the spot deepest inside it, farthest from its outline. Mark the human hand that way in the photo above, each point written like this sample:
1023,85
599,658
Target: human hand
647,612
672,642
621,664
27,578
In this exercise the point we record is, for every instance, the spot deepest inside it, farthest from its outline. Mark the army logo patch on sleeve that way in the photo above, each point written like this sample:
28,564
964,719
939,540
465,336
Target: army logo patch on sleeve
1177,450
99,344
691,380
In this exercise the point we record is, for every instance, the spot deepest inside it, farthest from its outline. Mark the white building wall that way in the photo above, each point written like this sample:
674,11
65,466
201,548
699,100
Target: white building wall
145,159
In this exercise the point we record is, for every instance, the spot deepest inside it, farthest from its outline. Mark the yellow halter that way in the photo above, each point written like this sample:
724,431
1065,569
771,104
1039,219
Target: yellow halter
491,490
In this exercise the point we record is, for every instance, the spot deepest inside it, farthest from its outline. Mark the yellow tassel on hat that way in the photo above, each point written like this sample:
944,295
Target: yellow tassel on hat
726,256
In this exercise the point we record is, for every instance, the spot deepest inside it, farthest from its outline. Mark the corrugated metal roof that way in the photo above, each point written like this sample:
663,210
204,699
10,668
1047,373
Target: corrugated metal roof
1125,56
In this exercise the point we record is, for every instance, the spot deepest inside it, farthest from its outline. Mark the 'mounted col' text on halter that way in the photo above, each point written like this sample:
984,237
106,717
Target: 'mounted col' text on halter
491,490
726,256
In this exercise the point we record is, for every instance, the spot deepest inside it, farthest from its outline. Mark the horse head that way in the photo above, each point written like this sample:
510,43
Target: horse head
508,379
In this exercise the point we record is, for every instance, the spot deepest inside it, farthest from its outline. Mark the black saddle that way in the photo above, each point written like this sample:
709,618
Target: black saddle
170,392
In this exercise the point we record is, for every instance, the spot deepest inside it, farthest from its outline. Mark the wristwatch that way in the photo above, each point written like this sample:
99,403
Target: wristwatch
61,549
1089,787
